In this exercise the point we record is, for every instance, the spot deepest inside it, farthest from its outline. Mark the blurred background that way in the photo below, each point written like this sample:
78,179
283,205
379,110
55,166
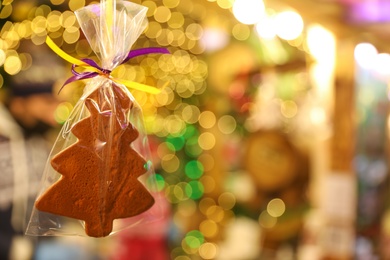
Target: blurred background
270,141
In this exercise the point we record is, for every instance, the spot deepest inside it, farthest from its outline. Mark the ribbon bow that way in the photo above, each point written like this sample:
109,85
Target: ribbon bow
95,70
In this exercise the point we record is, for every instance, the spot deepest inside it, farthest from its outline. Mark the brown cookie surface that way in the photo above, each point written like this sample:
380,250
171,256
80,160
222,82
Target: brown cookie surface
100,172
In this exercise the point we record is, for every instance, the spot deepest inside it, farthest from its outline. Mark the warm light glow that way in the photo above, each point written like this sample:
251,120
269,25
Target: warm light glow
382,64
317,116
214,39
321,43
266,27
365,55
248,11
288,24
322,46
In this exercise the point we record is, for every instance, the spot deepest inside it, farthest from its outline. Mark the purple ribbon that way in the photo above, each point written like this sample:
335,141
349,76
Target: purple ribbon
87,75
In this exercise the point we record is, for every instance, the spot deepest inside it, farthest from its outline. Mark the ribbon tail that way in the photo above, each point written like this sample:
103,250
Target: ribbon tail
63,54
145,51
138,86
85,75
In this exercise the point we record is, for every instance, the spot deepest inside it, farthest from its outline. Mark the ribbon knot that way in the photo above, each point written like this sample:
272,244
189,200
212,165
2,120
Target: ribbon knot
93,69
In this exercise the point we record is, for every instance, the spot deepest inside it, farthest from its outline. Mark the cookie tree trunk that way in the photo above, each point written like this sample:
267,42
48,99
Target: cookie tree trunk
100,172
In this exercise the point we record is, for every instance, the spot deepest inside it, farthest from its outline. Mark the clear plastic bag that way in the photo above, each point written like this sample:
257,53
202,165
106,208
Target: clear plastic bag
99,169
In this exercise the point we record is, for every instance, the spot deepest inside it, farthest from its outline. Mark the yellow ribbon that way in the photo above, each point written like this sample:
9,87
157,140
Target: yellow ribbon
80,63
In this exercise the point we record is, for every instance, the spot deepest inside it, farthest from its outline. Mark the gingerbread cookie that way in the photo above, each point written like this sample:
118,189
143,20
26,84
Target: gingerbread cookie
100,172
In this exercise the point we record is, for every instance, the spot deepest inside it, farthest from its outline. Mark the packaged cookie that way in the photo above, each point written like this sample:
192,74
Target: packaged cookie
99,170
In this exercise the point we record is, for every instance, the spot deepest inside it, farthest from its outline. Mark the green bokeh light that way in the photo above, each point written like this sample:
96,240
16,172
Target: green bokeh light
177,142
194,169
160,182
194,239
192,147
194,190
190,132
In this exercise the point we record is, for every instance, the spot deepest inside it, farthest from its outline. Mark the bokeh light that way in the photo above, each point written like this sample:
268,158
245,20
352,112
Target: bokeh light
248,11
227,124
266,27
266,220
208,228
12,65
206,141
276,207
365,54
289,25
194,169
194,239
208,251
227,200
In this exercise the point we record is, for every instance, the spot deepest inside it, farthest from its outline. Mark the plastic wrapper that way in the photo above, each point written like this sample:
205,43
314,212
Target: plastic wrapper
99,171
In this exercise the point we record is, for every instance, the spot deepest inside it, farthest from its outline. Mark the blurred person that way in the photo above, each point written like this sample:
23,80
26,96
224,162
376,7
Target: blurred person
27,116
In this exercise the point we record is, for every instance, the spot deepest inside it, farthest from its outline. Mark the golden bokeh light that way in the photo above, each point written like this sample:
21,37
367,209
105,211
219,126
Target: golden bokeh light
153,29
6,11
208,183
194,31
209,228
207,141
207,161
190,114
12,65
266,220
38,39
151,5
176,20
227,124
7,2
162,14
76,4
171,3
53,21
57,2
71,35
276,208
187,208
62,112
208,251
289,108
241,32
26,60
205,204
170,163
225,4
67,19
227,200
174,125
207,119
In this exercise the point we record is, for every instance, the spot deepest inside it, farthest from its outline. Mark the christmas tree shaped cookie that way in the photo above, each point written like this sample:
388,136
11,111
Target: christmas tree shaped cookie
100,172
